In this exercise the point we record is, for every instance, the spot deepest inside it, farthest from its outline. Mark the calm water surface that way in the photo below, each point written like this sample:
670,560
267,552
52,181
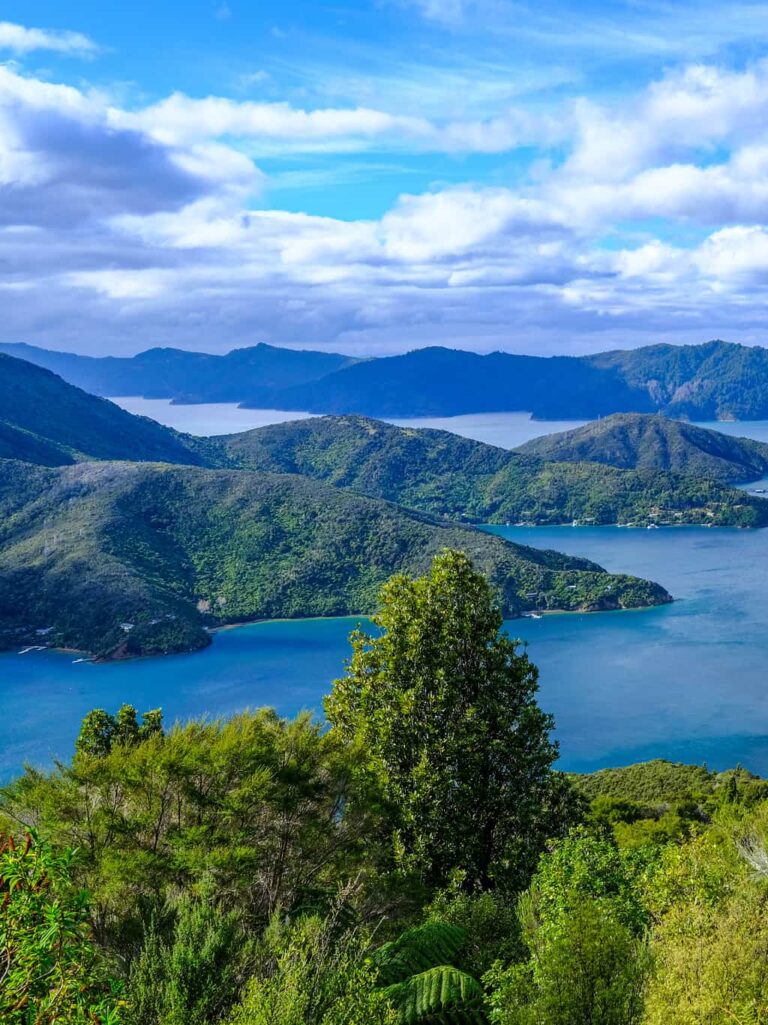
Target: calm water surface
507,430
206,418
688,681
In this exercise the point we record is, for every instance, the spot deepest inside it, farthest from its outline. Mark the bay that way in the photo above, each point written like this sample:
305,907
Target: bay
687,681
507,430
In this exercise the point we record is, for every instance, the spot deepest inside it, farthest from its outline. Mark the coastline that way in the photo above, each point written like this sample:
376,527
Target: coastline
89,658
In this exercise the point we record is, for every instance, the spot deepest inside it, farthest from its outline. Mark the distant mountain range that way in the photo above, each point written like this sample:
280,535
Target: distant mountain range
139,556
251,375
716,380
643,441
51,423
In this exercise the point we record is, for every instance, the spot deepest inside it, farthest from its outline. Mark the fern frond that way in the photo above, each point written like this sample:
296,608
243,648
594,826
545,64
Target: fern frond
417,950
440,996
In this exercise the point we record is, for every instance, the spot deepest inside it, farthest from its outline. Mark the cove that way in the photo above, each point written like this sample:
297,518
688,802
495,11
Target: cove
687,681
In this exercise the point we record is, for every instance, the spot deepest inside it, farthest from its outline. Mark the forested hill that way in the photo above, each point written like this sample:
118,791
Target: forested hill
47,421
446,475
716,380
437,381
634,440
130,558
253,374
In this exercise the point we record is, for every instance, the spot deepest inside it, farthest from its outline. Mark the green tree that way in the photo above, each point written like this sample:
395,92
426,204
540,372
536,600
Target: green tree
96,733
590,970
445,706
711,963
264,807
583,867
193,975
316,972
51,972
100,730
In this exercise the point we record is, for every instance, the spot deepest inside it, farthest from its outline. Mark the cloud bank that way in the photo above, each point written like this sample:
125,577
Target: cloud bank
636,220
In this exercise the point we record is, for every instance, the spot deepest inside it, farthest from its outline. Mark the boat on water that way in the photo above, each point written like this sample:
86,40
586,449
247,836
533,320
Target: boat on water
652,526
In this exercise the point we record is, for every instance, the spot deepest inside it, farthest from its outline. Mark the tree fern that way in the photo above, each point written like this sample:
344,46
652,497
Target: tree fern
420,979
440,996
417,950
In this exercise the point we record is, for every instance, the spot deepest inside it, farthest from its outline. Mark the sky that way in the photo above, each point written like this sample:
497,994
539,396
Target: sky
369,177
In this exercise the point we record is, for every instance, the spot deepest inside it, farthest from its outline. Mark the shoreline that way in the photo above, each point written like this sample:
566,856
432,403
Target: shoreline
88,658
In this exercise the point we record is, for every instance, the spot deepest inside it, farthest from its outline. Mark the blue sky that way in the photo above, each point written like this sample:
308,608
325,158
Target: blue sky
370,177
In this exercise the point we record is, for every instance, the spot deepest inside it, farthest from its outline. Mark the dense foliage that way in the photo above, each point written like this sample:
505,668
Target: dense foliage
448,476
478,797
243,872
127,558
636,440
50,969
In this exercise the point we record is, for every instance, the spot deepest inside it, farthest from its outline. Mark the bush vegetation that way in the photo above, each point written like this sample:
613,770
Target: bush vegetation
418,860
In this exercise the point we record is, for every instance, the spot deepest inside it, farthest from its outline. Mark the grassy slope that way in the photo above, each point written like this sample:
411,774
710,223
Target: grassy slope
45,420
634,440
445,475
87,547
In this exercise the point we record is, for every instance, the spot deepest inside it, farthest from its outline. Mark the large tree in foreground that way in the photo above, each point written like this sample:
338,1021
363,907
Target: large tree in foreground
443,704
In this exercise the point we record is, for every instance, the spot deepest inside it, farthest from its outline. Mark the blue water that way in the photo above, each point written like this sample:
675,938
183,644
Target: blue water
507,430
687,681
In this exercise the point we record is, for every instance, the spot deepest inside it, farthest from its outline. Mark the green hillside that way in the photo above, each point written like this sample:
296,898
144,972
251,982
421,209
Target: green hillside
652,782
86,548
714,381
634,440
47,421
456,478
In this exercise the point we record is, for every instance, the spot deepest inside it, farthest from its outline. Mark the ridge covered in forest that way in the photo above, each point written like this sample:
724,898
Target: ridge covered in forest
716,380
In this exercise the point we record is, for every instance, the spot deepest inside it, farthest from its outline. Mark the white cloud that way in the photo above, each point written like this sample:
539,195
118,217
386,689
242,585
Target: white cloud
735,255
137,225
20,39
688,112
181,118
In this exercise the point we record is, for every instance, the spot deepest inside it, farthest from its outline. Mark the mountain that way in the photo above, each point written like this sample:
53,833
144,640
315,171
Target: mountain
717,380
714,381
448,476
436,381
251,374
634,440
138,558
45,420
